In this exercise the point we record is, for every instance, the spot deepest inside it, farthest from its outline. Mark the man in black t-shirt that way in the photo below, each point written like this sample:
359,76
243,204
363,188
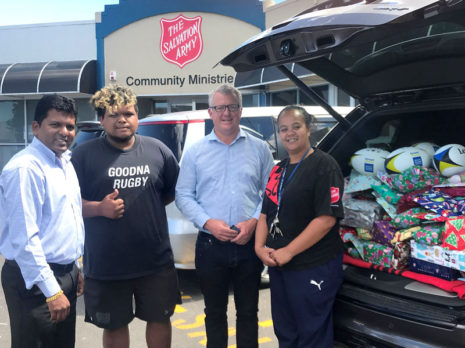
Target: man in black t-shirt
126,180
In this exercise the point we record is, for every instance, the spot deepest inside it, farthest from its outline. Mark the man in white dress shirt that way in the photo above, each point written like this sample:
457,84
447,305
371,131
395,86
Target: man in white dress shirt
42,231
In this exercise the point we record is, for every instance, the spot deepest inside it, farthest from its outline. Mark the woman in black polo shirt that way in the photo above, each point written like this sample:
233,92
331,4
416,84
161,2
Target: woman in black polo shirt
297,236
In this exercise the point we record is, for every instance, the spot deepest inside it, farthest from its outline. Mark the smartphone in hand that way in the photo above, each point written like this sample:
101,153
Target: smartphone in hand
235,228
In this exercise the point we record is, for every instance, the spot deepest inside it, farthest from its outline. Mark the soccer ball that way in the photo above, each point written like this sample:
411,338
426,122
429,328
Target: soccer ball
368,161
450,159
405,157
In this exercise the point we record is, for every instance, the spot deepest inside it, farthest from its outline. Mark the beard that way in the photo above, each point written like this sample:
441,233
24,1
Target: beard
120,140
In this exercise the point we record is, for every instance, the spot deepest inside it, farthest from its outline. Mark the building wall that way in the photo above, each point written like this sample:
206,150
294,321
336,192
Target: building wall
49,41
134,55
136,25
276,13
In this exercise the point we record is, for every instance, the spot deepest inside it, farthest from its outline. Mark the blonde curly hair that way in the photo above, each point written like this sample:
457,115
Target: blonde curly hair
112,97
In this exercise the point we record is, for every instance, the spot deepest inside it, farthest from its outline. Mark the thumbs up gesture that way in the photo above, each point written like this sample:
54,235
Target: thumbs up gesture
111,206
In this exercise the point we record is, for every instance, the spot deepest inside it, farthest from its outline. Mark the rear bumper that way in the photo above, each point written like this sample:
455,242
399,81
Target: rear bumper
359,326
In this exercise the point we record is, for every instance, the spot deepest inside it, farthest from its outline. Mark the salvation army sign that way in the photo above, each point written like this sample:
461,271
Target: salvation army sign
181,39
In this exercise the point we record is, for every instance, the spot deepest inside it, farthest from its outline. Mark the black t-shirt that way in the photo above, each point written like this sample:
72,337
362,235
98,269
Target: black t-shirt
314,190
145,176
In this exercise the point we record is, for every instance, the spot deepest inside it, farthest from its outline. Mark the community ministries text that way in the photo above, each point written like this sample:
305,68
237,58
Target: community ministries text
179,81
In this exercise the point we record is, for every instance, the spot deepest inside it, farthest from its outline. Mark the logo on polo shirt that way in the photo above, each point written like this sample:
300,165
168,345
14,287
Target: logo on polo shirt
334,194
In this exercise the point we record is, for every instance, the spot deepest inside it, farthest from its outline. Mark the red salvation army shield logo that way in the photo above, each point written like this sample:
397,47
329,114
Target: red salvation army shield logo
334,194
181,39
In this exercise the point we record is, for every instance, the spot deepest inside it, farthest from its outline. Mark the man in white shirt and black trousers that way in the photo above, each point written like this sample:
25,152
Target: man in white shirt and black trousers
42,231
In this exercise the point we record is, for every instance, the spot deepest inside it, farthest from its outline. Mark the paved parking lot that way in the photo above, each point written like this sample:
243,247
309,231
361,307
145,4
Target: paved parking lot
188,321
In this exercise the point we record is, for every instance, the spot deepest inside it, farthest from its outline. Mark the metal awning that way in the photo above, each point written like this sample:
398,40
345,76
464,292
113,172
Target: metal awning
266,76
22,79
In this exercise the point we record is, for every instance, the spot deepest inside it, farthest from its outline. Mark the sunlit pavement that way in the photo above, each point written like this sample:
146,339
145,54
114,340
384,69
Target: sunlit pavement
187,321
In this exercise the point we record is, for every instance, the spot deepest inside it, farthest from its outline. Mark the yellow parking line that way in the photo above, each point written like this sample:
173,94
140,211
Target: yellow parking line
266,323
197,334
177,322
199,321
186,297
179,309
264,340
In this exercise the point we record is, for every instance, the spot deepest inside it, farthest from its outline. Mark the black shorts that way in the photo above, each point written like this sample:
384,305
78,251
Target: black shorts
109,303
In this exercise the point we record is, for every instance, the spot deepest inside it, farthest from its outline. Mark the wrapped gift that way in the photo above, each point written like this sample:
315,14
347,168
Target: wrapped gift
439,203
383,232
407,202
400,255
405,234
388,194
370,251
429,268
377,254
452,190
430,234
351,251
414,178
358,244
430,253
359,182
407,218
345,232
388,208
430,216
454,237
457,178
360,213
364,233
437,254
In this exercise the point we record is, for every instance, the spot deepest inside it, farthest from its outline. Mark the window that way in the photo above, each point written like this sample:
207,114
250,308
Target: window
322,91
171,133
284,98
343,99
160,106
250,100
7,151
12,122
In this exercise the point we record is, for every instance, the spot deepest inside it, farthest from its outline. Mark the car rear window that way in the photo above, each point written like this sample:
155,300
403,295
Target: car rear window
171,133
85,135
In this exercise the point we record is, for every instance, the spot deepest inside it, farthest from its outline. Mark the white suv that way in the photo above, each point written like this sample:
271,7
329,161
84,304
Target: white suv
180,129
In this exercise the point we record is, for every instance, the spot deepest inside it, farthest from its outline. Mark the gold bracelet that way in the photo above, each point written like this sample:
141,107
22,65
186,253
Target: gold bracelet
54,297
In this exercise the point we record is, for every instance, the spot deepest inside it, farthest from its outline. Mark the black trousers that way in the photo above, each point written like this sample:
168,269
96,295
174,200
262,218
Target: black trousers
30,321
219,265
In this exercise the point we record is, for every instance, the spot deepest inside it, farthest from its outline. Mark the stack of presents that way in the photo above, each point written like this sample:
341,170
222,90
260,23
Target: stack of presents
413,220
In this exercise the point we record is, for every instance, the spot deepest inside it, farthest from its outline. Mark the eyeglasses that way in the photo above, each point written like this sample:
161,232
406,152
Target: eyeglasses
222,108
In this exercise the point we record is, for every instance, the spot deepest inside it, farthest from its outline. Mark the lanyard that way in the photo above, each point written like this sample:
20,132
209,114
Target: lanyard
281,183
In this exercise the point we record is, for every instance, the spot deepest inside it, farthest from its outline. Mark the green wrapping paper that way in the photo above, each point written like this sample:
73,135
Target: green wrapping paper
391,196
407,218
430,234
377,254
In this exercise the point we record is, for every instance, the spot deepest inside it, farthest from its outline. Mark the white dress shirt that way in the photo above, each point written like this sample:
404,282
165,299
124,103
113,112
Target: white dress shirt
40,214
